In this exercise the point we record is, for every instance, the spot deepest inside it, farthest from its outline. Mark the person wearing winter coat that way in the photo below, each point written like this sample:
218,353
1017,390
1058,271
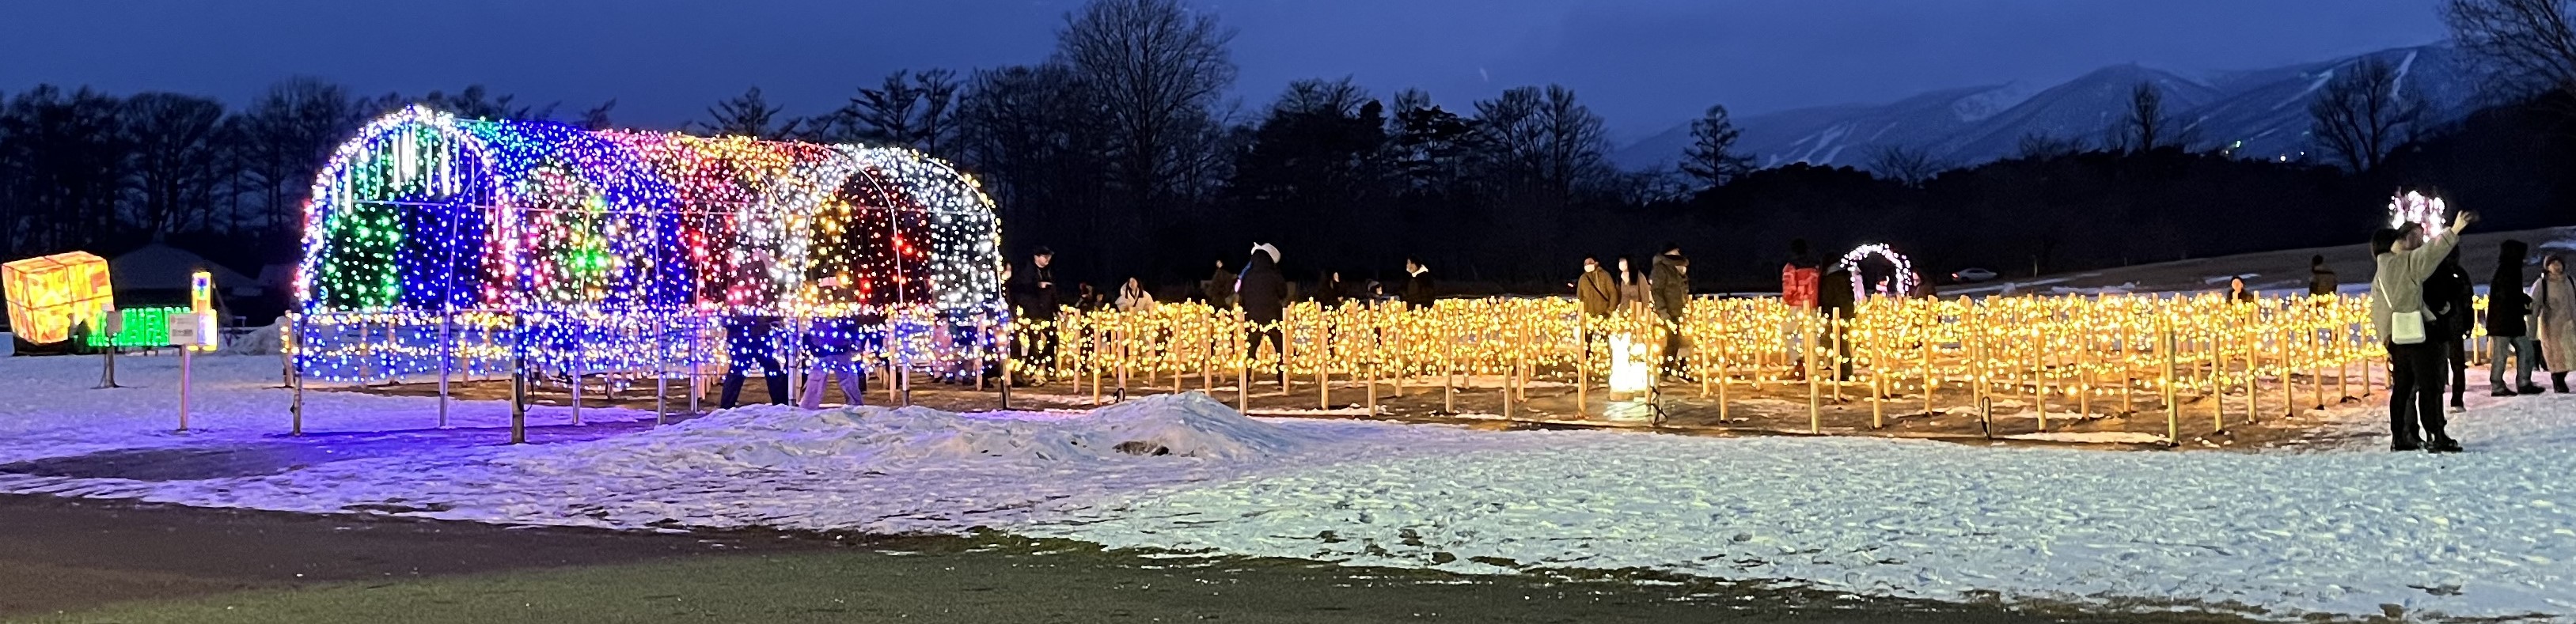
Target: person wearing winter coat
2553,319
1132,297
1837,302
1330,291
1417,284
1632,286
1671,293
747,343
835,344
1800,277
1033,295
1263,292
1598,292
2403,259
1219,287
2321,280
2509,323
2451,299
2236,291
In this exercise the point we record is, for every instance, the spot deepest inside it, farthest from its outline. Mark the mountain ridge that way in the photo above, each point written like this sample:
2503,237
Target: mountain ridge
2257,113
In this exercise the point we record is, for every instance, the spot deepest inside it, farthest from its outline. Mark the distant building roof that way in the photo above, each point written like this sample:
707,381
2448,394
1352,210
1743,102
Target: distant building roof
163,267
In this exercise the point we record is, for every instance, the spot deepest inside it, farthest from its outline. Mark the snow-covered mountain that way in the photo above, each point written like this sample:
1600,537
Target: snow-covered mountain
2266,110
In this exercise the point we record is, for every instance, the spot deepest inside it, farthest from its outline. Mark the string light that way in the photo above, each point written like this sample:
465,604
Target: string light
2427,212
1903,280
433,243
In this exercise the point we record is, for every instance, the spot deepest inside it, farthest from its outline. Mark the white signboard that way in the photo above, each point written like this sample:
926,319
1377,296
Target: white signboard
185,330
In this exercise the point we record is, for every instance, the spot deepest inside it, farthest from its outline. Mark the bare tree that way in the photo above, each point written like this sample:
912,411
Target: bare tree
2362,115
1318,96
1545,138
285,135
2146,127
2525,45
596,117
178,159
752,116
62,167
2041,146
1156,69
1711,158
1910,165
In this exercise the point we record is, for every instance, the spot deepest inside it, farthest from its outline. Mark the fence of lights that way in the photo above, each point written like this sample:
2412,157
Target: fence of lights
2414,207
433,243
1898,284
2067,354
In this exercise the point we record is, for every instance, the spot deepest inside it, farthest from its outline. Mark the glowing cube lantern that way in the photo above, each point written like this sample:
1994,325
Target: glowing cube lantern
48,295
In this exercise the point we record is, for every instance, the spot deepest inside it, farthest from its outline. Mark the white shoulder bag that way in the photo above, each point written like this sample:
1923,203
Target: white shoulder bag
2406,328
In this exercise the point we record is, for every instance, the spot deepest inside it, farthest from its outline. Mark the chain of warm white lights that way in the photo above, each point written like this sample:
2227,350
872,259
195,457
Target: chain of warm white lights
2077,349
1903,281
433,243
2414,207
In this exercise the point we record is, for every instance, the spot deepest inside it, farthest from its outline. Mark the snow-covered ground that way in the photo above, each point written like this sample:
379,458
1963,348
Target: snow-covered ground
2343,531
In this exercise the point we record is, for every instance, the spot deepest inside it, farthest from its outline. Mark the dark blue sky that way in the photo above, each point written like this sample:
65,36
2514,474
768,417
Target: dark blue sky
1645,64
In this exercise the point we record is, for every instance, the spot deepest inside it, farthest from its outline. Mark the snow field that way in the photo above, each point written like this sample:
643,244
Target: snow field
2341,531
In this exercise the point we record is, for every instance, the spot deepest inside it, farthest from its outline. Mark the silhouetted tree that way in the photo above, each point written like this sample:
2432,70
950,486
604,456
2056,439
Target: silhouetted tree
1711,158
1910,165
2361,115
63,162
179,164
750,115
596,117
2525,46
284,136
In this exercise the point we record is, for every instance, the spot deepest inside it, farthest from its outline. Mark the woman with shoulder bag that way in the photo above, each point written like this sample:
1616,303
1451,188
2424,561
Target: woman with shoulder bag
2403,259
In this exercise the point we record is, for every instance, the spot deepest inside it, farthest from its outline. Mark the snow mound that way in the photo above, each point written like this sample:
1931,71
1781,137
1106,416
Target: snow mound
771,437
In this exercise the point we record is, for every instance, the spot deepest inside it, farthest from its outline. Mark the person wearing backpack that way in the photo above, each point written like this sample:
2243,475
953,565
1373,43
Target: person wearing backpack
2451,299
2403,259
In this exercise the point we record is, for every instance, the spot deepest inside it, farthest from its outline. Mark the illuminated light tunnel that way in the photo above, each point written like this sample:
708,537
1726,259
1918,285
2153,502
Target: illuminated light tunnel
434,244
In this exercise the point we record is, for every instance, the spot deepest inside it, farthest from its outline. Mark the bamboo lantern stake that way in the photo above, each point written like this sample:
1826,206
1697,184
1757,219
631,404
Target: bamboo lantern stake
1815,394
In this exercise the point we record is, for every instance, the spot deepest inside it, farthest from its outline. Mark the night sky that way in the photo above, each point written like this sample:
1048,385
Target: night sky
1645,64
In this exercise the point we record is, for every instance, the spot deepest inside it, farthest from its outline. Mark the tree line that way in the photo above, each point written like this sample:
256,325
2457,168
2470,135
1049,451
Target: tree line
1124,152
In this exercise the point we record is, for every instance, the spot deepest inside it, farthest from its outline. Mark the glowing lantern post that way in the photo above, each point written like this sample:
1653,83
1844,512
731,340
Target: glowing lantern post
48,295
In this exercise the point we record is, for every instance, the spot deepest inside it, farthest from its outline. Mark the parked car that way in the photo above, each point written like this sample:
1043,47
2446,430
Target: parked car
1972,276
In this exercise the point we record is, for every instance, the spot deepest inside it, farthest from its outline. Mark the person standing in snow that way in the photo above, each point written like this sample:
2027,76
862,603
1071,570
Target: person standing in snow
2321,280
1133,298
1220,287
1800,280
2403,259
1632,286
836,343
2236,292
1263,292
1672,295
747,343
2553,319
1417,284
2451,299
1033,297
1837,301
1330,291
2509,323
1598,292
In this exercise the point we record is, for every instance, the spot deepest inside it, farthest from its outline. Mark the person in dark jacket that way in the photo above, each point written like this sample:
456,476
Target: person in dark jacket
2321,280
1263,292
1838,303
1330,291
1220,287
1671,290
1033,297
1417,284
2237,292
2509,323
2449,298
747,342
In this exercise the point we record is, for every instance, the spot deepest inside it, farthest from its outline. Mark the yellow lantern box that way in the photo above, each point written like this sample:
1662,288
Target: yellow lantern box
50,294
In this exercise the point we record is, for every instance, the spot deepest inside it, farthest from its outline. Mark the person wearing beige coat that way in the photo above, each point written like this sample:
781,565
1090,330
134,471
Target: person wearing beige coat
2553,319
